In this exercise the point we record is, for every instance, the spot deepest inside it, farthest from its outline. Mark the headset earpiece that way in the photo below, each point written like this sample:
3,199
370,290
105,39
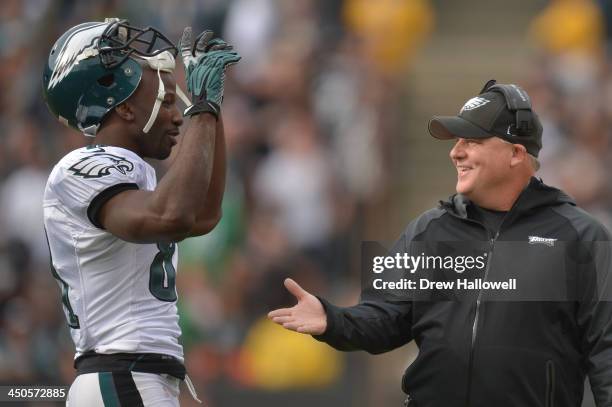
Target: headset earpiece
517,101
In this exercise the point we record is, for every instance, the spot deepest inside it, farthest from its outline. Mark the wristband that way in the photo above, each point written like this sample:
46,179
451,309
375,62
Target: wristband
205,106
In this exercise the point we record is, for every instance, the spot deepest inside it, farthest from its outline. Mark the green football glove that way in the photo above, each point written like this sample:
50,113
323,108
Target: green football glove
205,63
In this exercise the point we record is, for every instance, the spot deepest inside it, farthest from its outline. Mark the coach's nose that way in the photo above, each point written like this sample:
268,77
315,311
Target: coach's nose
457,153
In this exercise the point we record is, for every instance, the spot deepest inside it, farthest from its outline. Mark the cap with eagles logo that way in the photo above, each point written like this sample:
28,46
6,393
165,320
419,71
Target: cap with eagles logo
488,115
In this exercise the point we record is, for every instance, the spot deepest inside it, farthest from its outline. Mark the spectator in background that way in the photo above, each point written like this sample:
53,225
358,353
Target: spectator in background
295,181
570,26
389,32
573,89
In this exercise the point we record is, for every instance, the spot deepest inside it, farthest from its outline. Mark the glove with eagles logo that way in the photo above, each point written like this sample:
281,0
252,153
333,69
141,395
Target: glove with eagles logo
205,63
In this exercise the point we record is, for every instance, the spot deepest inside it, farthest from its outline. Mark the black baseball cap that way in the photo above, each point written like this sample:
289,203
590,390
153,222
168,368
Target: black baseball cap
488,115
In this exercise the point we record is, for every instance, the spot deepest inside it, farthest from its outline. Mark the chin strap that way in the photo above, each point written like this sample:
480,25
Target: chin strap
161,93
163,62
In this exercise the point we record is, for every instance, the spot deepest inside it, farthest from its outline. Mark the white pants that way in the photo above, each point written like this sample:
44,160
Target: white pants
133,389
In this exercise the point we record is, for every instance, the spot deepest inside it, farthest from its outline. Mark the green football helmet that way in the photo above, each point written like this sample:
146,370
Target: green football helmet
93,67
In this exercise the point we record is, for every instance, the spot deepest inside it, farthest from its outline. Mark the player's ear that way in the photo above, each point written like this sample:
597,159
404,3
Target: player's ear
125,111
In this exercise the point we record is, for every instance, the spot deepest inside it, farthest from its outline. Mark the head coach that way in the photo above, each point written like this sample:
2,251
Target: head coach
498,353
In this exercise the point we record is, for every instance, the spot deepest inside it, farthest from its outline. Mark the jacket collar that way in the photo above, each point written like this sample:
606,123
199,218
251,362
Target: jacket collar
536,194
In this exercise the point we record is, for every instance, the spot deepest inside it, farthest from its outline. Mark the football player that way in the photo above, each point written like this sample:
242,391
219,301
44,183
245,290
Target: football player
112,228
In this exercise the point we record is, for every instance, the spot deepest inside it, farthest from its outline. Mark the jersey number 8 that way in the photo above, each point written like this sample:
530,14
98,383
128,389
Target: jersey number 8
162,275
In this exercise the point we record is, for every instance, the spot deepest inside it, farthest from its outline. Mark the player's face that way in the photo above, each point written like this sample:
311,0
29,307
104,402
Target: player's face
160,139
482,166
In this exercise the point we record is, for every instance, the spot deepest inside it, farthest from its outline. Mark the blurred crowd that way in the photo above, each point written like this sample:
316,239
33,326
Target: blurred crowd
309,123
570,83
311,120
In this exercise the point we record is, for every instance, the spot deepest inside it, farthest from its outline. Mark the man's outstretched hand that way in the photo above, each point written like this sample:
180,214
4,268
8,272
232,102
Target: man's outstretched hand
307,316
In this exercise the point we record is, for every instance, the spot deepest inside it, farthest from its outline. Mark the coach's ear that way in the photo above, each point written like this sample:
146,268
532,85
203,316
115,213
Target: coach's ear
519,155
124,110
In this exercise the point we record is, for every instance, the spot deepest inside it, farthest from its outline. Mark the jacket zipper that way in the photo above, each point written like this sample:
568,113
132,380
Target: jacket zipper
475,322
550,384
476,317
478,300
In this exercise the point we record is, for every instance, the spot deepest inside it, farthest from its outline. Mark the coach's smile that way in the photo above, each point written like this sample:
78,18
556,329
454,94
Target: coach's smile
462,170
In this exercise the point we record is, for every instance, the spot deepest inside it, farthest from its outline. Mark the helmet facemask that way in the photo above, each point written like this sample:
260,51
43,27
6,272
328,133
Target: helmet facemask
124,41
121,41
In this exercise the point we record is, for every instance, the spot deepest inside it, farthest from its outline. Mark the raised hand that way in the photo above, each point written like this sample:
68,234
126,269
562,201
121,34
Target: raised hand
307,316
205,63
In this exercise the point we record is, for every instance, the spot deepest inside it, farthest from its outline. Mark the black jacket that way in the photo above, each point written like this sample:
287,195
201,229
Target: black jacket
517,352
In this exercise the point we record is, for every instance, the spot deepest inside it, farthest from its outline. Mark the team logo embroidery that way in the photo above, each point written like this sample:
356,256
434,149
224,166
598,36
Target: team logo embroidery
76,48
474,103
542,240
99,165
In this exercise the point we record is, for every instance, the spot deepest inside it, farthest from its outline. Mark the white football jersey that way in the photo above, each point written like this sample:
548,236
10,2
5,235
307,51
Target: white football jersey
117,296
